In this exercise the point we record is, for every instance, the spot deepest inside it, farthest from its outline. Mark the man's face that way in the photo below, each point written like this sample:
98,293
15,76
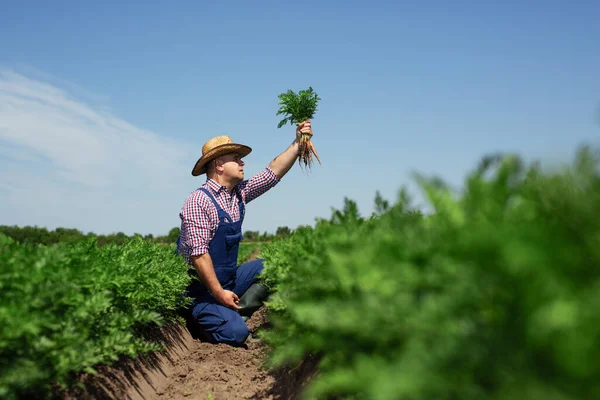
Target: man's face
231,166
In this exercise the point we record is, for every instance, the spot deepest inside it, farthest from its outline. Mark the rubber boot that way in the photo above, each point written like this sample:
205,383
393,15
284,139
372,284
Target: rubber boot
253,299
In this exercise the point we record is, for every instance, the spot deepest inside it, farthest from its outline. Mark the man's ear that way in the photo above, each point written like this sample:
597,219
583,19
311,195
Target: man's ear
218,164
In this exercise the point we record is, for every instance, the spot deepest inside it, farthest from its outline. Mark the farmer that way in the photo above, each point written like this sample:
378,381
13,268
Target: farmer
226,295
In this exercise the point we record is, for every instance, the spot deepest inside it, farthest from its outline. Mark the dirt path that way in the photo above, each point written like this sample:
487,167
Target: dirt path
218,371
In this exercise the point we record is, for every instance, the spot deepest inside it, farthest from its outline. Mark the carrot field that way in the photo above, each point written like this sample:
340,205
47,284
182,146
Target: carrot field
493,295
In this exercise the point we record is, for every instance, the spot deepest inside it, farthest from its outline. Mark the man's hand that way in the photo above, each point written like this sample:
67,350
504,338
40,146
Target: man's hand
283,162
228,299
303,128
206,272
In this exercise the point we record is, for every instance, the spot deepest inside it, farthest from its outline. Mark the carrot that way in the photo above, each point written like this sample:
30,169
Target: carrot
297,108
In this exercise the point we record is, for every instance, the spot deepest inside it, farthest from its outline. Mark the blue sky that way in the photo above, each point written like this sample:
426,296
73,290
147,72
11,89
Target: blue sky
104,106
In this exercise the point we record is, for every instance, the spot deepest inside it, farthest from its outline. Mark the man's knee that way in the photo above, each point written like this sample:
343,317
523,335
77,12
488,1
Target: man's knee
260,266
234,332
221,324
257,266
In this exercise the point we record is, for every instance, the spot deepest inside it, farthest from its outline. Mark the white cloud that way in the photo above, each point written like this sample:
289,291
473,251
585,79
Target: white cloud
66,163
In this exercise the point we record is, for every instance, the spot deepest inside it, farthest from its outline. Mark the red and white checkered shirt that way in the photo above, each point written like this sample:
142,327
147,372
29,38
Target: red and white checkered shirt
199,217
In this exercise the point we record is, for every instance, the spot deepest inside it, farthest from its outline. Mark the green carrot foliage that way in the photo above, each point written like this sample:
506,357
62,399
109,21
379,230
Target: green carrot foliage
297,107
70,307
492,296
245,251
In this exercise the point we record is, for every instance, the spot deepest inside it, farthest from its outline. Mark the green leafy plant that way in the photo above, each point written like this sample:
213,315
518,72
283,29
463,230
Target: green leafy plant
492,296
298,108
68,308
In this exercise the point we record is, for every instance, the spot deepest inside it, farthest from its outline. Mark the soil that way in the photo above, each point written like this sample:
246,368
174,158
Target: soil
223,372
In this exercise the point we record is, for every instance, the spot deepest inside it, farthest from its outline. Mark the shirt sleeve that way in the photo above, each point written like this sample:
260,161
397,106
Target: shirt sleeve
258,185
197,229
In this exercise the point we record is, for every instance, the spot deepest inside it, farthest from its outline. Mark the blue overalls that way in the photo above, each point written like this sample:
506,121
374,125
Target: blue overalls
222,323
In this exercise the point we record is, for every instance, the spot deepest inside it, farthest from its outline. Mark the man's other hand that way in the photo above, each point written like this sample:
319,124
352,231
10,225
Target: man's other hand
228,299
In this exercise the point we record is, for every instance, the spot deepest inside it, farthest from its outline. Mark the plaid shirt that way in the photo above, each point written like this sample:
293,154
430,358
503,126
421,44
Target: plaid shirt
199,217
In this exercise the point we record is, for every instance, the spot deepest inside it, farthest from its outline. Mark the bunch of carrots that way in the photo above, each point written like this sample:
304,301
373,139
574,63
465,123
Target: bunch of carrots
299,107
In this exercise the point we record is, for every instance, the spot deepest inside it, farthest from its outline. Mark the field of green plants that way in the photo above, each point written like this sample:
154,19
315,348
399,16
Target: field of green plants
246,250
69,307
494,295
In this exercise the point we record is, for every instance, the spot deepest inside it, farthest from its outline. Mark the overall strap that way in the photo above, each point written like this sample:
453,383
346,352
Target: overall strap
220,212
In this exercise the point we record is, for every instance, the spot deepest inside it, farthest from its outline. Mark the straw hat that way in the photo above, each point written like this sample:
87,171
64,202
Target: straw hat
217,147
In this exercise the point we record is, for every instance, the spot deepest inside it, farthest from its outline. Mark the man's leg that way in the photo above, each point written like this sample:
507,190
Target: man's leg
220,323
252,293
246,274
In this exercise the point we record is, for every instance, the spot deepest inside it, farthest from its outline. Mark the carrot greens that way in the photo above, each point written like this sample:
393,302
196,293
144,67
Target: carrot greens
298,108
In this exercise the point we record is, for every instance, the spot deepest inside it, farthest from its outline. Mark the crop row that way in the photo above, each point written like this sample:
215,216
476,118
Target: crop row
72,306
246,250
67,308
494,295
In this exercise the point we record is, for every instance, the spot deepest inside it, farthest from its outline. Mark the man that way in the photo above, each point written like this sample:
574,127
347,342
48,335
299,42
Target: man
211,229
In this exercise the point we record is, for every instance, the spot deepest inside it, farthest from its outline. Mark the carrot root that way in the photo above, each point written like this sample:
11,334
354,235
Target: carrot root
312,147
306,151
